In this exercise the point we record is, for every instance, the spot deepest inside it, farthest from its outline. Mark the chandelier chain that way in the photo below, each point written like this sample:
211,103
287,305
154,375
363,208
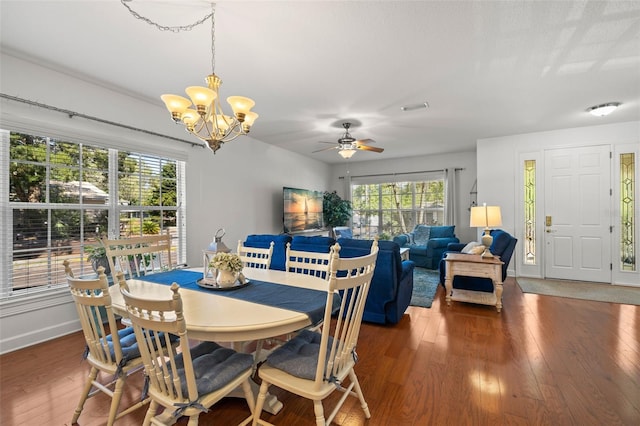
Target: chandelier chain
213,38
175,29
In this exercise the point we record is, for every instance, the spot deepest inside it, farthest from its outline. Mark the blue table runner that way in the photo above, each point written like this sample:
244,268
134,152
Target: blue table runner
304,300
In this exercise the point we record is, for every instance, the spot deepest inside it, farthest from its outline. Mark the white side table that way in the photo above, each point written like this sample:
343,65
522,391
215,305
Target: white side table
474,265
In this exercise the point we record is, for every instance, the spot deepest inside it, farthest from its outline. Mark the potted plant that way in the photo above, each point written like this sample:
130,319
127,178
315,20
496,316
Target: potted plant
229,266
336,211
97,256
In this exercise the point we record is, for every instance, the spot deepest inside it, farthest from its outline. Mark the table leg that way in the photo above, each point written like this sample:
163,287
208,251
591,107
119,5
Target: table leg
448,283
499,295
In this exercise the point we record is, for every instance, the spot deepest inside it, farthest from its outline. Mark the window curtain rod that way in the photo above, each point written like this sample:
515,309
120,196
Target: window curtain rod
457,169
72,114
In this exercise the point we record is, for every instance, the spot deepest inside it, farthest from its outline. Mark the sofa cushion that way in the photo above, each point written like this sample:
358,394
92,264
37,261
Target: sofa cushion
279,248
442,231
313,244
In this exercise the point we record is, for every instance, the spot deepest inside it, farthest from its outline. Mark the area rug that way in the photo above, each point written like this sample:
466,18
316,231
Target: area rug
581,290
425,284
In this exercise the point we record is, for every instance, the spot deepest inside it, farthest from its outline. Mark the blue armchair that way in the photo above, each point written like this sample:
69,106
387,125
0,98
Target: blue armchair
503,246
392,282
427,243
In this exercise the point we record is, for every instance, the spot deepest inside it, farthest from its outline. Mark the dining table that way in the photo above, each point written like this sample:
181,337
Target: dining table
272,303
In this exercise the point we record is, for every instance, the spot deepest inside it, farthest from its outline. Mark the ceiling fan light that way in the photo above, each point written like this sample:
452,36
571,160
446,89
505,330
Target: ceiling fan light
347,153
604,109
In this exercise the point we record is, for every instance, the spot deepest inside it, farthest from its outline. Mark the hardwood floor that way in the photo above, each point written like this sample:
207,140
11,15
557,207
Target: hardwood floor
542,361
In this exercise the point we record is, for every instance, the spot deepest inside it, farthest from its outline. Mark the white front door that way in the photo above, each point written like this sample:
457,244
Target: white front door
578,213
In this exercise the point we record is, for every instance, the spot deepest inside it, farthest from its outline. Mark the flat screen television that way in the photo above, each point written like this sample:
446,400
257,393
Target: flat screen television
302,210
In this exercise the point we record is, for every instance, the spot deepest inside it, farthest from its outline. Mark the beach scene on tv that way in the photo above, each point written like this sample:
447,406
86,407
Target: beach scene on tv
302,210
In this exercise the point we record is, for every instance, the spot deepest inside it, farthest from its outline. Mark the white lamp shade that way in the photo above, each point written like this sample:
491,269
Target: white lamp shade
240,104
485,216
250,118
175,103
201,96
347,153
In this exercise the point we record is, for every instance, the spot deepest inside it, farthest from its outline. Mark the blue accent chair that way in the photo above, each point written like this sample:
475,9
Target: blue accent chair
392,283
503,245
278,257
427,243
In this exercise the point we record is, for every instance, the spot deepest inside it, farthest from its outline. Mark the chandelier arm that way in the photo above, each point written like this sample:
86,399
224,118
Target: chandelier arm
175,29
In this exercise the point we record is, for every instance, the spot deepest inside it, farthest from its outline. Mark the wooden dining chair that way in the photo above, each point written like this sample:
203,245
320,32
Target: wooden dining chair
308,262
190,381
116,355
315,363
138,256
253,257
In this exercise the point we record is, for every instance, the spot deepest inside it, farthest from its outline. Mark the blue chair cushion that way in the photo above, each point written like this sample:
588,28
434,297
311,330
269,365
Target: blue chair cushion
214,366
299,356
128,343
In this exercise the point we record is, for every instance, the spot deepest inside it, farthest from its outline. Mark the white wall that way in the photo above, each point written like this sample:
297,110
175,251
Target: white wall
499,168
466,179
239,188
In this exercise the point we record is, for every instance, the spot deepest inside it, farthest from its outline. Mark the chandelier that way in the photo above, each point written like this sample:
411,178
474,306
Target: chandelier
202,114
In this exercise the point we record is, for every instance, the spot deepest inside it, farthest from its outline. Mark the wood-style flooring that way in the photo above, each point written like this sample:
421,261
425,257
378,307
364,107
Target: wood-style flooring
542,361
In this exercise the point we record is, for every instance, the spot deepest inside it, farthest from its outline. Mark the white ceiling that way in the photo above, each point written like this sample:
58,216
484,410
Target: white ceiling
486,68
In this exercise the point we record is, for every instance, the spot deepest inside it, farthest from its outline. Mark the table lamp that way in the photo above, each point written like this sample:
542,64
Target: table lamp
484,217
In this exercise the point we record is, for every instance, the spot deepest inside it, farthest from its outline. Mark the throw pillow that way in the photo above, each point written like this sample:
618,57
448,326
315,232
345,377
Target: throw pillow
477,249
421,235
469,247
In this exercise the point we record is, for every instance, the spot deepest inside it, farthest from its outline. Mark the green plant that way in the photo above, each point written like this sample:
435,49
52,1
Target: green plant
150,227
95,253
336,211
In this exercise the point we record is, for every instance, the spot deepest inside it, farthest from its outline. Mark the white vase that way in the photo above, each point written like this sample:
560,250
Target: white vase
226,278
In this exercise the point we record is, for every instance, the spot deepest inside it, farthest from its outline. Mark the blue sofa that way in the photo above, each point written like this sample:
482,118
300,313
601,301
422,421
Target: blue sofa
427,243
503,245
392,282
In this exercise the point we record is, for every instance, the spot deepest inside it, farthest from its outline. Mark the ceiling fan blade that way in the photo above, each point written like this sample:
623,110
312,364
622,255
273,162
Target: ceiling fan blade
326,149
364,141
370,148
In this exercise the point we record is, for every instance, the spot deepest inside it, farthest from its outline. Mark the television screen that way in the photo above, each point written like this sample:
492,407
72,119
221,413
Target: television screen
302,210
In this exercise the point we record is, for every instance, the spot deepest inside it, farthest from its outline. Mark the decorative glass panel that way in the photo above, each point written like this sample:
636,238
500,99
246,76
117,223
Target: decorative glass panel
627,206
530,212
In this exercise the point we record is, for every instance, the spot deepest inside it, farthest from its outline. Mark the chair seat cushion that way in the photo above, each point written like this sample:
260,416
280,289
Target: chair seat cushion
128,343
299,356
214,366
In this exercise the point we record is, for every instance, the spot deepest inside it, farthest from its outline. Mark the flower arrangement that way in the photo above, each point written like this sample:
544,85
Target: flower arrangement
226,262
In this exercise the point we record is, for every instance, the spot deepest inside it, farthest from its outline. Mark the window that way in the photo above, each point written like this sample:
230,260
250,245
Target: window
530,212
63,196
391,208
627,209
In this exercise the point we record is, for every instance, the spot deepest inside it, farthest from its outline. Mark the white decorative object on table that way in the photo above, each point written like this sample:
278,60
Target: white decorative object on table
229,266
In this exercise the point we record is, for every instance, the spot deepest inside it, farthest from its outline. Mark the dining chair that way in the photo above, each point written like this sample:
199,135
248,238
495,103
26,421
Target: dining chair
308,262
116,355
253,257
138,256
189,381
315,363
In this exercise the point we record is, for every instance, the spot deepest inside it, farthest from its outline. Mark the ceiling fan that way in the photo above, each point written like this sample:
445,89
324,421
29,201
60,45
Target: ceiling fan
348,145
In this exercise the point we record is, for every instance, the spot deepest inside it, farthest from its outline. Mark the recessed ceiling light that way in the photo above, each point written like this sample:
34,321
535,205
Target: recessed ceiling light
604,109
